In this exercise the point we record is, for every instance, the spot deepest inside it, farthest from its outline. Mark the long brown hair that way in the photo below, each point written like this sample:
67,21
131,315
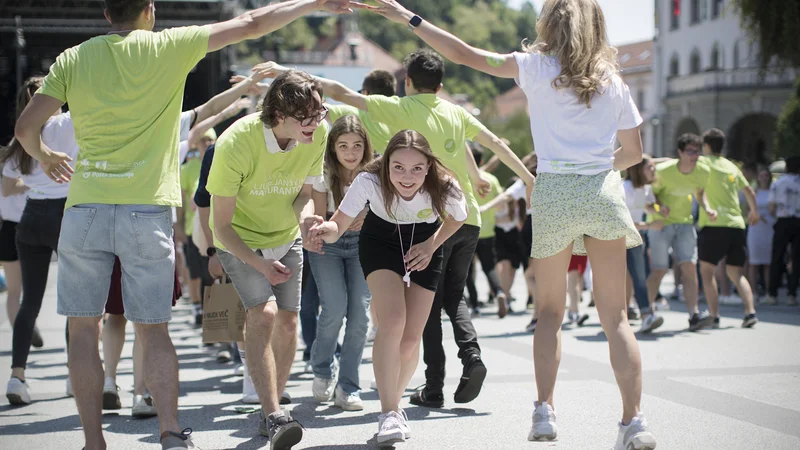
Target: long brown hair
574,32
439,182
14,151
335,171
636,173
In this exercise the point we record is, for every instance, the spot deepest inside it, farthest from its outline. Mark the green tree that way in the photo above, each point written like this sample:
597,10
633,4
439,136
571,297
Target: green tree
787,131
517,129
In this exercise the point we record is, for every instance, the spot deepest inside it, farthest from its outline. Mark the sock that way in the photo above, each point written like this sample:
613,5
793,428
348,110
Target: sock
276,415
241,355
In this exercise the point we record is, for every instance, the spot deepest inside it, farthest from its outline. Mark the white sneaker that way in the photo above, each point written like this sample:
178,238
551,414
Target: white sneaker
404,426
69,388
635,435
348,402
249,394
732,299
322,388
650,323
373,331
308,368
238,371
143,406
544,423
373,384
769,300
390,429
111,398
18,392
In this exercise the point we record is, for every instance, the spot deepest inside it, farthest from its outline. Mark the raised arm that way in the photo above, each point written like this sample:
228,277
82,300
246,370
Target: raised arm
28,132
258,22
449,46
200,129
630,152
333,89
488,139
223,100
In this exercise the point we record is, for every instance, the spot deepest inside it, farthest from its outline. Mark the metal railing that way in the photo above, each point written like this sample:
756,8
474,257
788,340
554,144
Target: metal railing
730,79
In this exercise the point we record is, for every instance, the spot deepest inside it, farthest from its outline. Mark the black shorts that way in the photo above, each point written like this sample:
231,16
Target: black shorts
196,263
715,243
8,241
526,237
508,246
379,249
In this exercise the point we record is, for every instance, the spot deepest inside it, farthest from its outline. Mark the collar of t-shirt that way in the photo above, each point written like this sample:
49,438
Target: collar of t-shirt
427,99
272,142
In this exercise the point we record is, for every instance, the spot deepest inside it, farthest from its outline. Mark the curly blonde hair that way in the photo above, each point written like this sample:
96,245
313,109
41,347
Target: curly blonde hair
574,32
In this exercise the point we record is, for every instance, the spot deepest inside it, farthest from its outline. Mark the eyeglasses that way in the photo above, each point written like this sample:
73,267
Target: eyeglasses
691,152
307,121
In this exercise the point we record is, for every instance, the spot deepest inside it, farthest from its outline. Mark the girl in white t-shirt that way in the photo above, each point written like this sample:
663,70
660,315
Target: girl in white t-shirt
579,107
408,191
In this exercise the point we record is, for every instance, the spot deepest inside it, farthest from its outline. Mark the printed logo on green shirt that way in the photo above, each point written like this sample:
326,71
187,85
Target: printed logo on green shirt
450,146
424,214
279,183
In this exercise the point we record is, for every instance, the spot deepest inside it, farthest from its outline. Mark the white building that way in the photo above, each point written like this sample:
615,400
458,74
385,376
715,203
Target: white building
706,75
636,64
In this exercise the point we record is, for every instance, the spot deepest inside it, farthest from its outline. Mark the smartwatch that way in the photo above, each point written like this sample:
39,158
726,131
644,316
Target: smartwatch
211,251
414,22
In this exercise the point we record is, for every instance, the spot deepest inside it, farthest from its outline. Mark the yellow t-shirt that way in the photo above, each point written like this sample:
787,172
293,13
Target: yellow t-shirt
446,126
190,176
125,95
488,219
265,182
722,191
676,190
378,133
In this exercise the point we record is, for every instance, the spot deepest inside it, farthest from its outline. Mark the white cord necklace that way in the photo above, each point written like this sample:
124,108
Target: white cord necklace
407,276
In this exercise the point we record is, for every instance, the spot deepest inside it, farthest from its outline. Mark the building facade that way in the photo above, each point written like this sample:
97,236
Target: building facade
706,76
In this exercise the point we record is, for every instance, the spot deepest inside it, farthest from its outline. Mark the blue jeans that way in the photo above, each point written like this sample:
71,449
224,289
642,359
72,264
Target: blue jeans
346,295
637,268
309,307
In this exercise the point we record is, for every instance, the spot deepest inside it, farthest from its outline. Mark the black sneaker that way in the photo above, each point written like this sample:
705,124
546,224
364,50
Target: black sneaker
633,314
531,327
749,321
281,429
700,321
471,380
715,325
426,398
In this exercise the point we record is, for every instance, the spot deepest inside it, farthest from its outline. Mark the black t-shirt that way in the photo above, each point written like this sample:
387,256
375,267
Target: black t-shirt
201,197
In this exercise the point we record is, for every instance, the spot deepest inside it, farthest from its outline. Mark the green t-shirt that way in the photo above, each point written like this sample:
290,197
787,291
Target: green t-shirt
446,126
265,182
676,191
379,133
125,95
722,192
190,176
487,218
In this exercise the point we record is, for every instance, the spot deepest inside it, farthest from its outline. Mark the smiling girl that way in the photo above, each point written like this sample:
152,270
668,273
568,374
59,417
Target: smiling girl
415,204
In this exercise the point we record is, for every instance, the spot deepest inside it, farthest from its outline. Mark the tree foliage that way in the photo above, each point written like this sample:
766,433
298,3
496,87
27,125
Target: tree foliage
787,133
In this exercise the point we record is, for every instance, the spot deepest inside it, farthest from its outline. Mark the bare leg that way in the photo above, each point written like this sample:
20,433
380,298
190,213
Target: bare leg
161,372
284,345
722,280
708,272
418,308
388,301
506,274
574,290
736,274
752,272
550,295
260,357
14,285
113,341
194,290
653,283
139,386
86,374
689,282
608,262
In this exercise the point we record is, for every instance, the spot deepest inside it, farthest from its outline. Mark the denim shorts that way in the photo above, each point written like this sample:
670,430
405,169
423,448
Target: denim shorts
254,288
141,236
681,237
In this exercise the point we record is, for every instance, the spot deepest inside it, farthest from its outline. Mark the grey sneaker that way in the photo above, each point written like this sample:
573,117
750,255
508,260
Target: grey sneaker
281,429
635,435
178,441
544,423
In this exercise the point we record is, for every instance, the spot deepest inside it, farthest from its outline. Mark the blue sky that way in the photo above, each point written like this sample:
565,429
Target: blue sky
628,20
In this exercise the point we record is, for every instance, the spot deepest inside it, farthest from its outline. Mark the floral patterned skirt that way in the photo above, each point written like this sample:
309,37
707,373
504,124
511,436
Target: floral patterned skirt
567,207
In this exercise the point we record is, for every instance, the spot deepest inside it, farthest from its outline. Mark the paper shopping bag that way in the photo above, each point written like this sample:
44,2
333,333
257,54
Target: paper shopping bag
223,314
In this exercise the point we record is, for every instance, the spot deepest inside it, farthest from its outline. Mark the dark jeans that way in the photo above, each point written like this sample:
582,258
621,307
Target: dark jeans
458,252
787,232
487,255
37,239
636,267
309,307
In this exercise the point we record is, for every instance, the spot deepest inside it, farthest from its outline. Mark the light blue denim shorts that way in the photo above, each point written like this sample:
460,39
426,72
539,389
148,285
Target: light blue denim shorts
680,237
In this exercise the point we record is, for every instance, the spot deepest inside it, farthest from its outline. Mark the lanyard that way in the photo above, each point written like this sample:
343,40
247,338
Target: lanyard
407,276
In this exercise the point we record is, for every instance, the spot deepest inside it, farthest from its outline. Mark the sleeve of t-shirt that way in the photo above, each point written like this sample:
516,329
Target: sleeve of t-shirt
629,116
528,67
741,181
232,163
9,171
473,125
388,110
186,124
201,197
337,111
457,207
183,150
773,192
518,190
56,82
188,45
649,197
356,198
321,139
320,185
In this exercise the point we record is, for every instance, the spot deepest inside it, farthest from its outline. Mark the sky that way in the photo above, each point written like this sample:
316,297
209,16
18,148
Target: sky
628,21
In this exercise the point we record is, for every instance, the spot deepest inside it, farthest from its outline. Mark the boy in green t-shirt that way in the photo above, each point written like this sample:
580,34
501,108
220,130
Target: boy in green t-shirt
722,234
677,182
447,127
261,209
125,90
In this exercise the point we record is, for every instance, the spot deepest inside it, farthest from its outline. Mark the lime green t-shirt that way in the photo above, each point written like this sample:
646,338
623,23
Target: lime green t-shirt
379,133
125,95
487,218
676,191
264,183
446,126
190,176
722,192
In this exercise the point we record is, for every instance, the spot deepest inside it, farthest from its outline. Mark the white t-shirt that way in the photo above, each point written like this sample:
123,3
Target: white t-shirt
58,134
11,207
785,193
568,136
324,185
186,125
637,198
518,191
366,189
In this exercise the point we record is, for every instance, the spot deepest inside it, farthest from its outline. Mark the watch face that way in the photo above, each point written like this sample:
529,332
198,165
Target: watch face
415,21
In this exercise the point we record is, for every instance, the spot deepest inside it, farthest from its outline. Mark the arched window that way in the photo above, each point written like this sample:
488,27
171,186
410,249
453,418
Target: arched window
716,58
736,61
674,66
694,62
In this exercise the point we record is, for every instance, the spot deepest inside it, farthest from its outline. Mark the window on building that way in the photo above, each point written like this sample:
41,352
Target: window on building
675,17
695,11
716,58
736,57
716,8
640,99
674,66
694,62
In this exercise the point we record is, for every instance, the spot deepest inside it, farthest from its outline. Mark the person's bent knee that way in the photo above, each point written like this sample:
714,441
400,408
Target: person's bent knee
84,324
287,322
262,316
149,331
408,347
